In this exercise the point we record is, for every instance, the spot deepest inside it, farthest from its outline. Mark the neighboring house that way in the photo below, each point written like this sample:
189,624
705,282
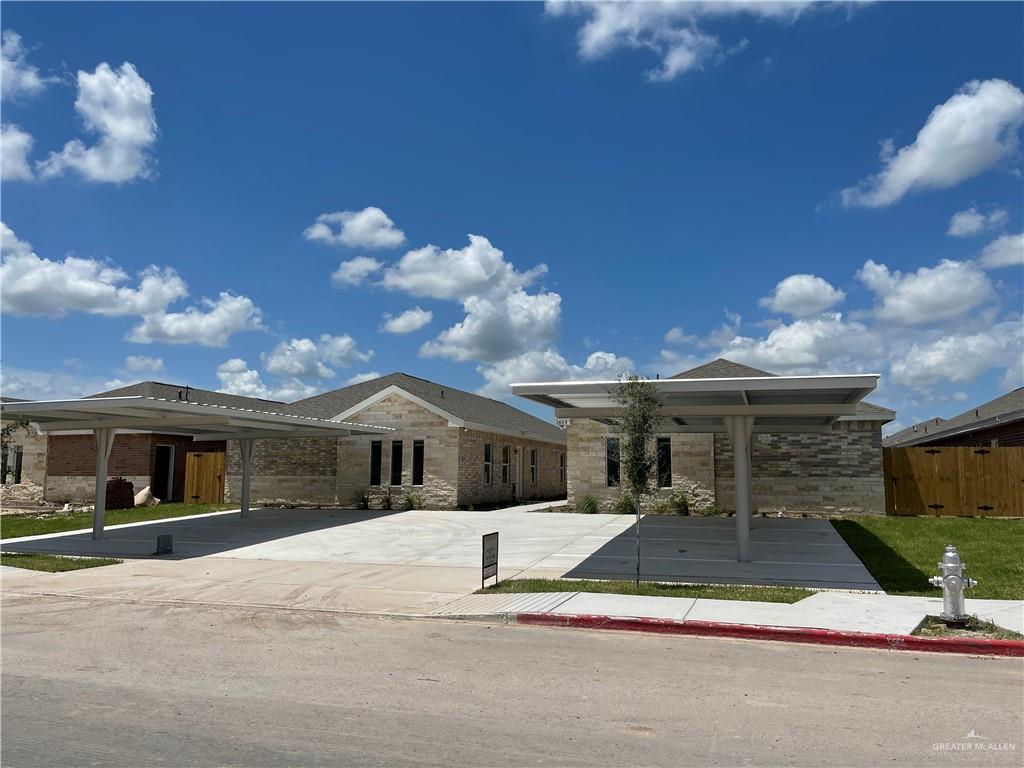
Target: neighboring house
23,460
997,423
143,458
832,471
450,448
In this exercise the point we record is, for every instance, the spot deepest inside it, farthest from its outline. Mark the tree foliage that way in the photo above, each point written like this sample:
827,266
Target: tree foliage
641,409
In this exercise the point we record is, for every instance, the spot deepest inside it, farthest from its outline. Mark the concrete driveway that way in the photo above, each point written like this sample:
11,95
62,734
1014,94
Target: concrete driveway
415,562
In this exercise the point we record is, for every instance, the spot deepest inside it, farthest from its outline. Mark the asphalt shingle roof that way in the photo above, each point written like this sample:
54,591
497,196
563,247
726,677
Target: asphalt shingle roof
727,369
204,396
1010,405
462,405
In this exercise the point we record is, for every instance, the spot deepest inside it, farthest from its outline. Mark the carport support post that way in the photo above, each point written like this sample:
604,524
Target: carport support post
245,448
104,443
740,429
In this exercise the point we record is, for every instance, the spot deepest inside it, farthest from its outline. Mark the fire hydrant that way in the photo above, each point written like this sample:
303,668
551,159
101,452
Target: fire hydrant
953,583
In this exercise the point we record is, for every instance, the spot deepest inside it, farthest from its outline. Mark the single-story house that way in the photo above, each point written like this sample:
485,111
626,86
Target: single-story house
142,458
449,448
997,423
22,461
834,468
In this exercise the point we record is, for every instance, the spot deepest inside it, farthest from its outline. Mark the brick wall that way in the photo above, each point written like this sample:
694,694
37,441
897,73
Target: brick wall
288,471
839,471
816,472
693,469
410,422
473,488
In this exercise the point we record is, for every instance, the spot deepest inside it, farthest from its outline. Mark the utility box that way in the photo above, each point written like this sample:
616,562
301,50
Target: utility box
164,544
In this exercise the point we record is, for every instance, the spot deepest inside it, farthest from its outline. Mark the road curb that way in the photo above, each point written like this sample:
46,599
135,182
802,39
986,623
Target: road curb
967,645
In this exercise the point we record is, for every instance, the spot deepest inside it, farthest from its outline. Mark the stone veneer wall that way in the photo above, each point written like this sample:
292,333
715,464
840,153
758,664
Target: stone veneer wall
693,467
33,456
79,489
839,471
474,490
298,471
411,422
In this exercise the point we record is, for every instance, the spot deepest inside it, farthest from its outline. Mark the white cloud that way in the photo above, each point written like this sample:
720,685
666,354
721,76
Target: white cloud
1005,251
676,335
947,290
143,363
668,29
236,378
456,273
311,359
500,327
975,130
47,385
368,228
17,77
960,357
803,296
359,378
15,145
809,346
408,321
354,271
211,327
972,221
118,106
35,286
548,365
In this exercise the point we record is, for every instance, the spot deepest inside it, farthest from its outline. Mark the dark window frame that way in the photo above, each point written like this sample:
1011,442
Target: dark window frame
488,463
395,464
376,470
612,462
419,455
506,456
561,467
664,454
533,466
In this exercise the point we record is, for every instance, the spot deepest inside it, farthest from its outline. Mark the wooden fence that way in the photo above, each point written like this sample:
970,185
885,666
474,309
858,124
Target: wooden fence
204,478
963,482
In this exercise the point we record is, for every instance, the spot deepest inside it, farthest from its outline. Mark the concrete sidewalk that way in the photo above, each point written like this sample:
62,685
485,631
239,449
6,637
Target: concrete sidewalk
840,611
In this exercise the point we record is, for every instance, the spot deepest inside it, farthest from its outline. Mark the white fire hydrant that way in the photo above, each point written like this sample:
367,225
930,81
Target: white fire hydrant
953,583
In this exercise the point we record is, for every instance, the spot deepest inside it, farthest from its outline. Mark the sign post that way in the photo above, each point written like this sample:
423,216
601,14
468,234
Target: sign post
490,558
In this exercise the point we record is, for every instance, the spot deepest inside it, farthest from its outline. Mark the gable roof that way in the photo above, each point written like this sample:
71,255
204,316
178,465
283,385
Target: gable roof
721,368
160,390
1005,408
481,412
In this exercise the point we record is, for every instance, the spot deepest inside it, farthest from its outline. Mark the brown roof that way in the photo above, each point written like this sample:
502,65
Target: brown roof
727,369
203,396
462,405
1002,409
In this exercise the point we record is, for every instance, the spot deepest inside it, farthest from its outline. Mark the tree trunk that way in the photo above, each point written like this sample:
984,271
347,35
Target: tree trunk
637,502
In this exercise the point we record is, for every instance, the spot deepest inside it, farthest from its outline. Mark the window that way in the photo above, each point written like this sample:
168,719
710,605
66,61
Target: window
487,463
417,462
12,455
375,452
561,468
664,462
533,466
612,461
504,463
396,462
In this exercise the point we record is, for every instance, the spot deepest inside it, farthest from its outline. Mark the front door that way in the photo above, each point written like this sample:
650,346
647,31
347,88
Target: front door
162,482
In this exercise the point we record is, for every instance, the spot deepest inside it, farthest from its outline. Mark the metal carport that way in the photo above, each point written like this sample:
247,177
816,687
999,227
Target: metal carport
740,407
105,416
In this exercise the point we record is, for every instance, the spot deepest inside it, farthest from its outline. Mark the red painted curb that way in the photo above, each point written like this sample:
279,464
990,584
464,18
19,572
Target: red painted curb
787,634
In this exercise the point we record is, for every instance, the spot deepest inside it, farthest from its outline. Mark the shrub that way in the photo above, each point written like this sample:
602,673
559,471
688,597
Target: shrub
678,503
587,505
386,502
361,500
413,501
623,505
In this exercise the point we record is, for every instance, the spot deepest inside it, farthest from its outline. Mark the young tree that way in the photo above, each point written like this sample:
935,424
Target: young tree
641,411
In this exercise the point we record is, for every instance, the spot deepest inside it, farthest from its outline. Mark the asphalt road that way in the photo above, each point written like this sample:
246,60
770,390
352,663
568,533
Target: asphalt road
102,682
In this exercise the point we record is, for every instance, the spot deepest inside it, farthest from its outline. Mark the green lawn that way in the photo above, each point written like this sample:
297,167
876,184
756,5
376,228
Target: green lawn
717,592
902,552
13,526
39,561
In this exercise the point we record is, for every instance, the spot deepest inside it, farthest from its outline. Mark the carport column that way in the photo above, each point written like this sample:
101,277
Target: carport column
245,448
740,429
104,443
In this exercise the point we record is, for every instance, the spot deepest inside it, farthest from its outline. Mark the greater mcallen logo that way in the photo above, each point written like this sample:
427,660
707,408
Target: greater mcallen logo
973,742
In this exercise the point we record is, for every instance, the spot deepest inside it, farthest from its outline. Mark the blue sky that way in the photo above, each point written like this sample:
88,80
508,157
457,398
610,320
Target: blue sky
648,187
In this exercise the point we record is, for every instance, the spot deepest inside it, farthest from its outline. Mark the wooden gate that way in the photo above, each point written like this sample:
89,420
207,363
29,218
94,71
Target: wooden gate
963,482
204,478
